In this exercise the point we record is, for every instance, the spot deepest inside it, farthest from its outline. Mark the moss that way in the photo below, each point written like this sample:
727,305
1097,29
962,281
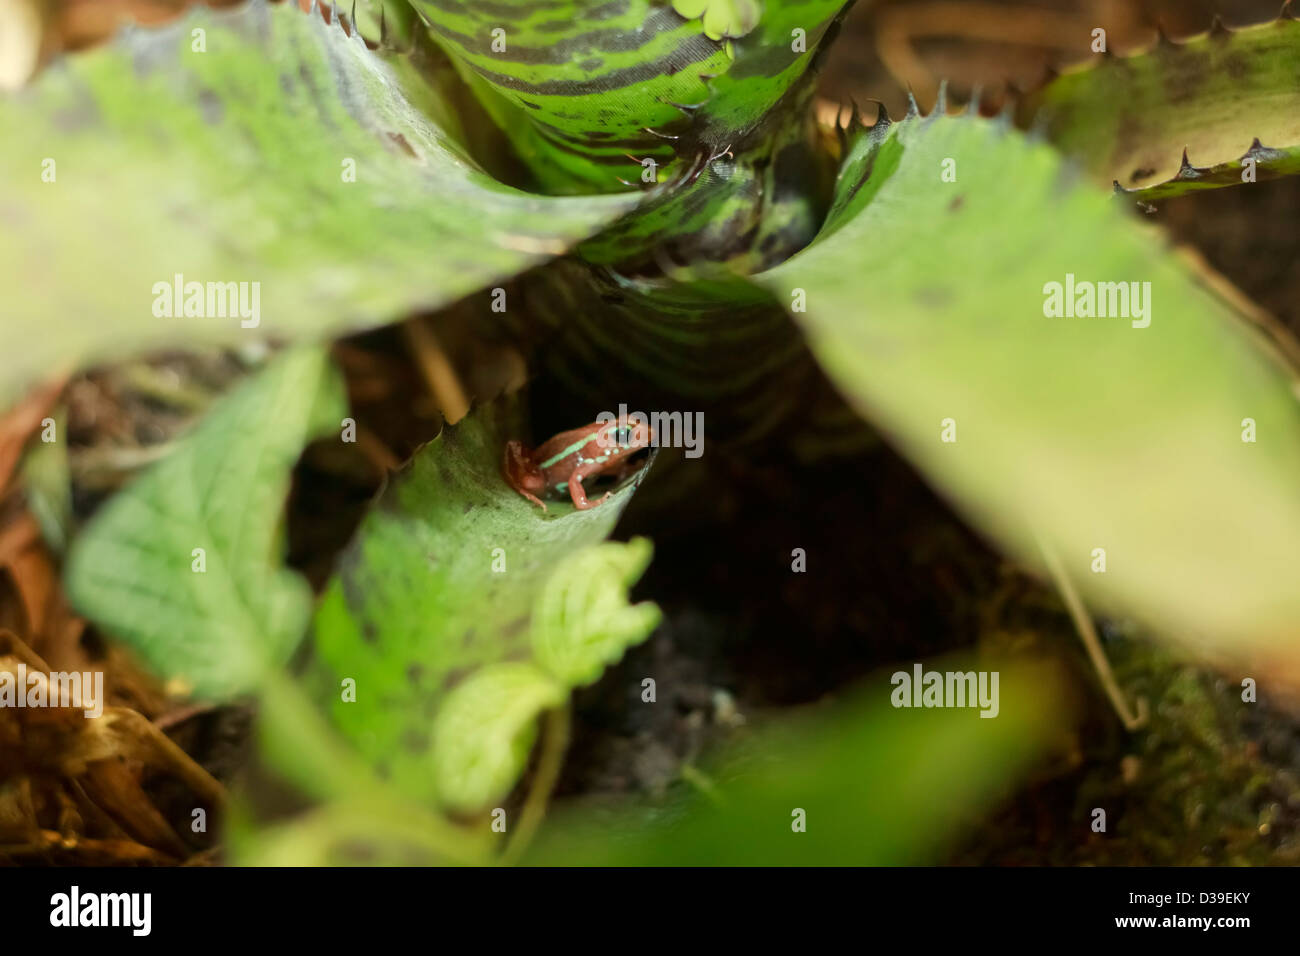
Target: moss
1208,781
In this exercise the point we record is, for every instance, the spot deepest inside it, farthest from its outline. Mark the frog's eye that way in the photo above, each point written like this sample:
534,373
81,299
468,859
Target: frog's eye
623,436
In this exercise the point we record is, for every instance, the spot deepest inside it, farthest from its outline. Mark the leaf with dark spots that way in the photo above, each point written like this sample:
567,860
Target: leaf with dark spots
414,633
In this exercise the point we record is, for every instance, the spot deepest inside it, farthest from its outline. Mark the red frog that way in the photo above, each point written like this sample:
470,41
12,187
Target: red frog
561,463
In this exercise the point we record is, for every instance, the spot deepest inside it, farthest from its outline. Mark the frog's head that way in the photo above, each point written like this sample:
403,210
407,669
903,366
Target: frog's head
623,438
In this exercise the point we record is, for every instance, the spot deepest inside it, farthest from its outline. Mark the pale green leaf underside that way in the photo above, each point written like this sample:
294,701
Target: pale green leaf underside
229,166
134,570
440,586
927,303
581,623
485,729
1129,118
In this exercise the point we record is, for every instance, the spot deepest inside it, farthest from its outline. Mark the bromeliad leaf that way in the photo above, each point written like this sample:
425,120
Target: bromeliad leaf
1158,447
257,146
580,86
1217,109
185,564
588,90
764,80
452,577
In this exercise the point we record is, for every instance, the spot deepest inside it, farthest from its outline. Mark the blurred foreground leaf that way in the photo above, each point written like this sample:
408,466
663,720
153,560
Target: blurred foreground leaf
877,786
256,145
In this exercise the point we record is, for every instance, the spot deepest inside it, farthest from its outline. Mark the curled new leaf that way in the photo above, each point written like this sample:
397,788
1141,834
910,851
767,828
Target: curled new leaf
582,622
484,731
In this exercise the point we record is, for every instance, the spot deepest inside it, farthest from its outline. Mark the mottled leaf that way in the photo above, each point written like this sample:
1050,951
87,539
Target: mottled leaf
768,65
232,165
439,587
576,83
588,89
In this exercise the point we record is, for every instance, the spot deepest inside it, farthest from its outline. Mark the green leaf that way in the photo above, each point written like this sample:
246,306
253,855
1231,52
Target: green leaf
690,9
576,83
755,171
485,730
749,208
134,570
297,741
390,24
926,302
230,165
438,592
582,622
1224,97
357,820
767,66
722,18
588,89
877,785
368,829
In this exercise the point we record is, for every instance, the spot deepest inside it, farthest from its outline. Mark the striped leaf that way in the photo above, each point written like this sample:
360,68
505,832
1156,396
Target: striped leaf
588,90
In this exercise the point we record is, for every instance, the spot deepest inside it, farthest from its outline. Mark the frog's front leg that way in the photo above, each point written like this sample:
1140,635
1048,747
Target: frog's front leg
579,494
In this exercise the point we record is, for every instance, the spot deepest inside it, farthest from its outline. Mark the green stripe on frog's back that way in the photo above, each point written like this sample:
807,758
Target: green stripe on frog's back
574,449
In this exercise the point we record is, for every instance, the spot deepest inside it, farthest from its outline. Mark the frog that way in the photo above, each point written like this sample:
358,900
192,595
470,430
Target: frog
560,464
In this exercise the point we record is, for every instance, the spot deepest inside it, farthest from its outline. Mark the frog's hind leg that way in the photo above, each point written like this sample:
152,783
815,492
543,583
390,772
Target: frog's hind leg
521,472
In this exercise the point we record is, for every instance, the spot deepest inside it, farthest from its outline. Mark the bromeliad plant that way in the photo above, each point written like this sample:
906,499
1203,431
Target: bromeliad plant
682,232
